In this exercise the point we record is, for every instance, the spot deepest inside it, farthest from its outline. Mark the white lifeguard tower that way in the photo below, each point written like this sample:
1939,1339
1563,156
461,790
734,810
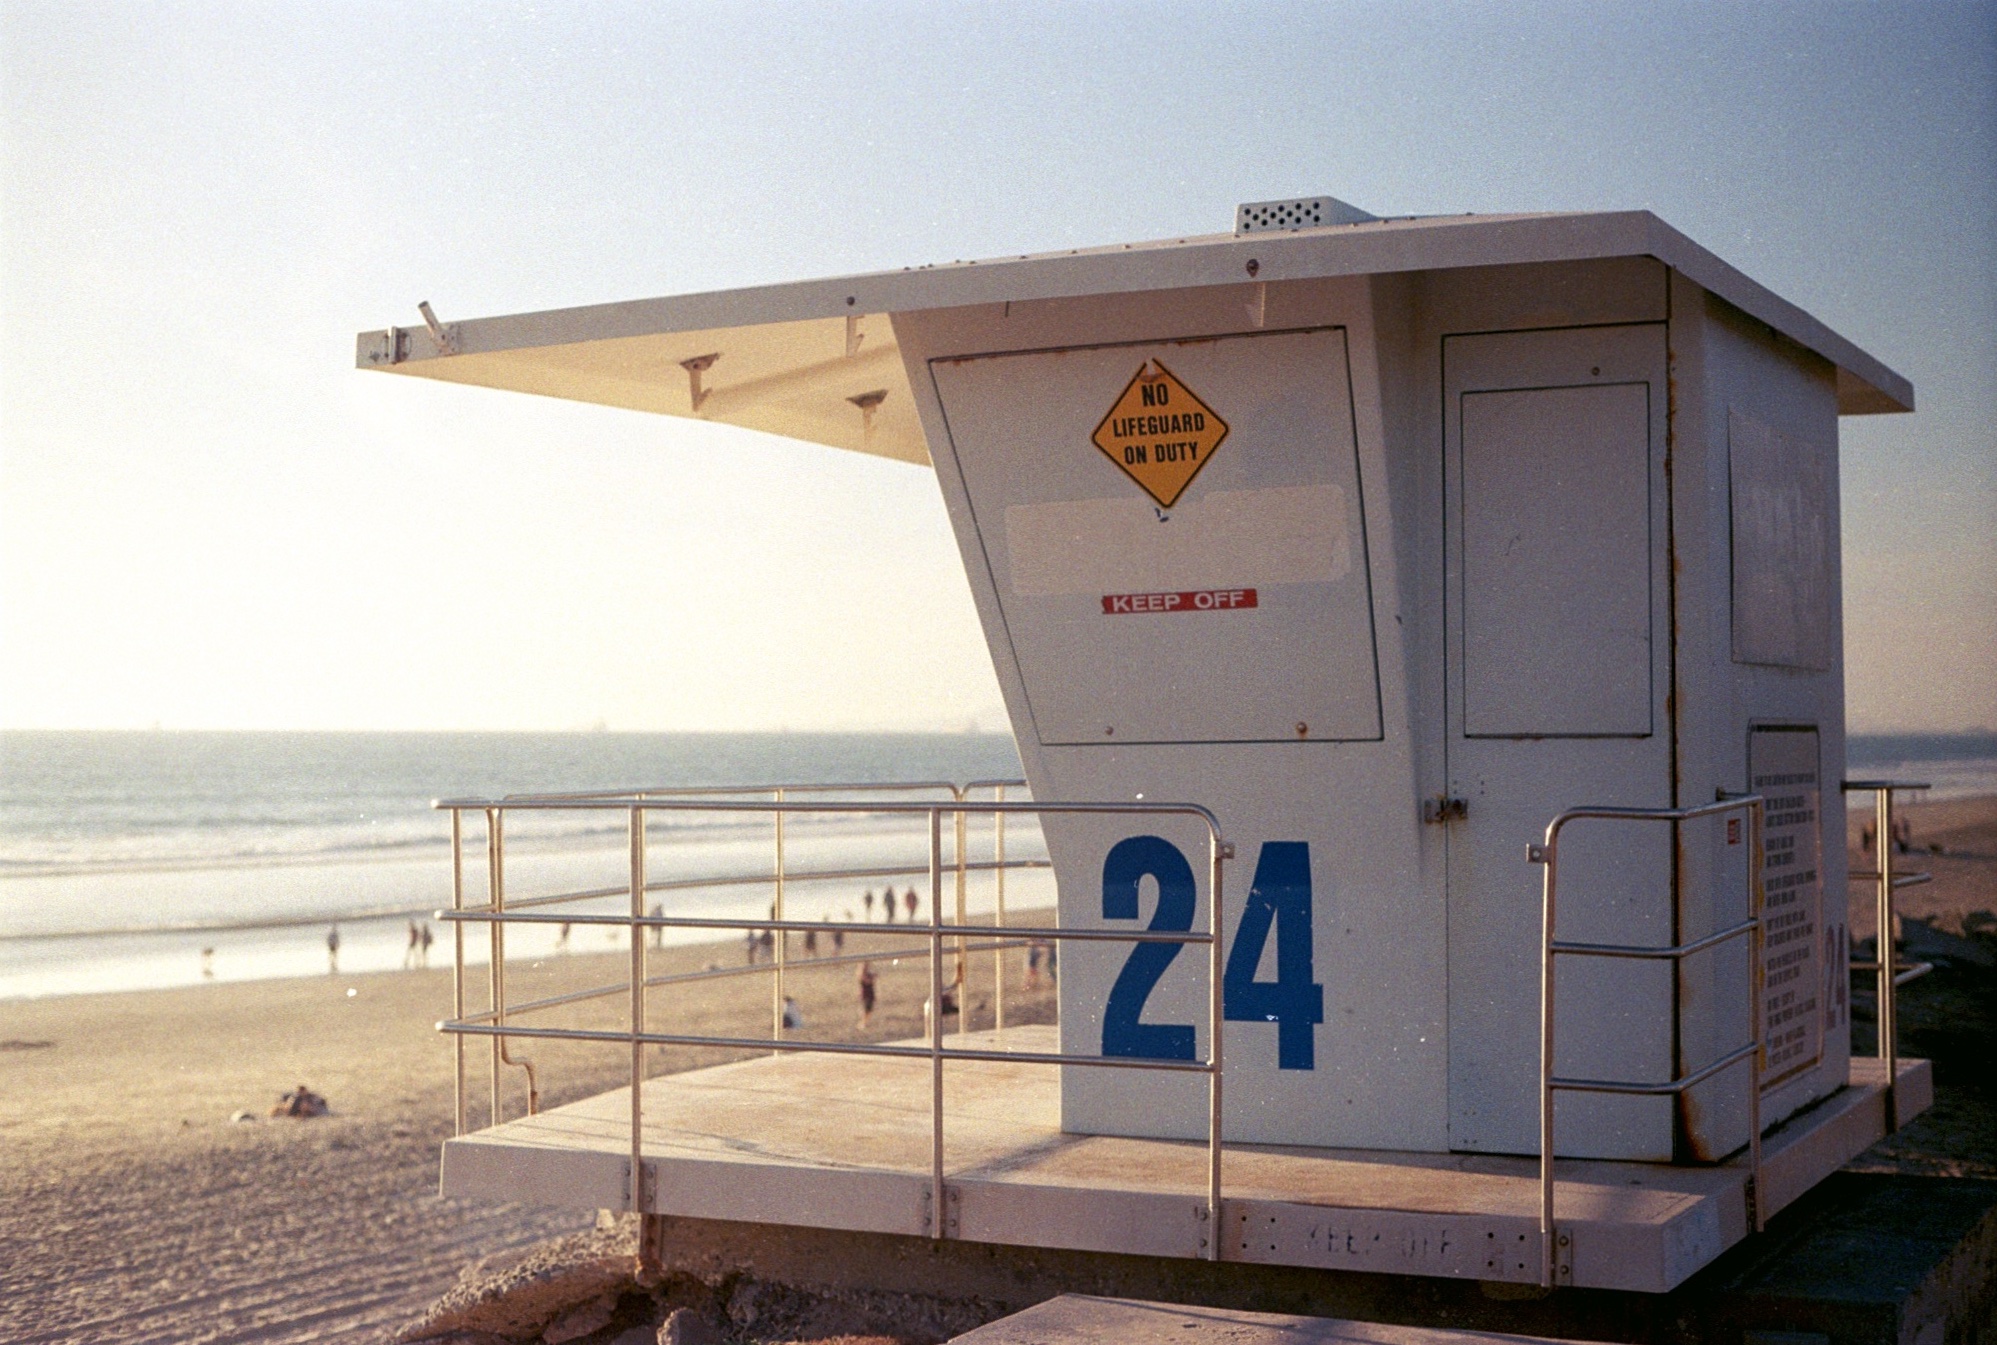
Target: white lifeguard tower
1386,543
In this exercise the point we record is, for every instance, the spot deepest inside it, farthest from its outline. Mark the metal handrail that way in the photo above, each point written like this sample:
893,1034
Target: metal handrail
1547,855
1887,975
493,1023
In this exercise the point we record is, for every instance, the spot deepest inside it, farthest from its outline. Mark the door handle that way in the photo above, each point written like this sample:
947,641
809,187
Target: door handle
1442,809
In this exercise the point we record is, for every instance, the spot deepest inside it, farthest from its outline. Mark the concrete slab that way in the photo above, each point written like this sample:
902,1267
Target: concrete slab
733,1143
1078,1319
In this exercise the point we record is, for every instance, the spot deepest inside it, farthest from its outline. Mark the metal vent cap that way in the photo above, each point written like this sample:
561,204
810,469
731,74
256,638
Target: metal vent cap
1301,212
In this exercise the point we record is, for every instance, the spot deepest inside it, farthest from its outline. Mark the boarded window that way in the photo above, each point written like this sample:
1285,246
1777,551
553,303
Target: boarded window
1781,547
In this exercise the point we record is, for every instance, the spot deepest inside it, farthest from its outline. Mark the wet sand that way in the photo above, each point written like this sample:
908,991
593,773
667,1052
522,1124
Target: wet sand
132,1208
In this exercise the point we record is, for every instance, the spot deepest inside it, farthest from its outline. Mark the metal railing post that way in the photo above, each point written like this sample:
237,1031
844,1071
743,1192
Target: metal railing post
458,964
495,950
1216,1017
998,945
637,1193
1548,894
959,974
936,1206
1887,1014
781,937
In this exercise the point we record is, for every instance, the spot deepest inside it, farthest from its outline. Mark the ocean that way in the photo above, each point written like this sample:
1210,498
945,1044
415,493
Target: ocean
124,855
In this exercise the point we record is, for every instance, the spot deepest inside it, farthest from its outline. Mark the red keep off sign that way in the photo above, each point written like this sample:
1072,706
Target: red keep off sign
1190,600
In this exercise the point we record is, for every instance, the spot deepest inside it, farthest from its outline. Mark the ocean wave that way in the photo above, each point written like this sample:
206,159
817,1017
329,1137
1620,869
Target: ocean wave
207,847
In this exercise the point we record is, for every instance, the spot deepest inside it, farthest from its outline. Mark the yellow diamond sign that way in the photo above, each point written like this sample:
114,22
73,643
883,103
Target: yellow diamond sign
1159,433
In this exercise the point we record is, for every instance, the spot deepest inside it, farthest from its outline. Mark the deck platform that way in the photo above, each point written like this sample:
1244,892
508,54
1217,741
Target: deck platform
843,1142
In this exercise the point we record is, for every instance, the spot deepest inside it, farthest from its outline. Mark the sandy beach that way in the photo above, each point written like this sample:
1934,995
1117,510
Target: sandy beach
133,1208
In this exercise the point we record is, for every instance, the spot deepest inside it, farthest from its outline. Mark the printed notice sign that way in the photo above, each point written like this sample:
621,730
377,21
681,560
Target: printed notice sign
1190,600
1159,433
1782,768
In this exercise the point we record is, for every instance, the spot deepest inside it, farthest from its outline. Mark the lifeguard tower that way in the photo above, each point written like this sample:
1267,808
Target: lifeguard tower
1459,599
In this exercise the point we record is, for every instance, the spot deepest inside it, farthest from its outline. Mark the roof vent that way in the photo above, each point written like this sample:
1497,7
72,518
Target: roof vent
1304,212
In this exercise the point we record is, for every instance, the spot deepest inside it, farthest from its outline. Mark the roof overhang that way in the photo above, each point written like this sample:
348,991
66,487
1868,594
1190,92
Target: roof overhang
812,359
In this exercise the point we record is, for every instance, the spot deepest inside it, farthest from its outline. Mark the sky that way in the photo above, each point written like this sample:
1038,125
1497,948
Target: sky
210,519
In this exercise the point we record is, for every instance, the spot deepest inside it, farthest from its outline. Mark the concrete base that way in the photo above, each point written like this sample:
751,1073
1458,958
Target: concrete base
843,1142
1077,1319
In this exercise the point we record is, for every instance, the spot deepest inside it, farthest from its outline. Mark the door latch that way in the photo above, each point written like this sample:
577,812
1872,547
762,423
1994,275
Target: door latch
1442,809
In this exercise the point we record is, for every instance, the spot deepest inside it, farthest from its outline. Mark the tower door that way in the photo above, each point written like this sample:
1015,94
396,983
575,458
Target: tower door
1557,677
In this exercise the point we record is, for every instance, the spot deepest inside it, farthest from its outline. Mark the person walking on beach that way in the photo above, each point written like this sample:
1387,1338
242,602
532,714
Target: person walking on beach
333,951
910,900
207,964
866,993
749,942
409,953
562,939
869,900
423,950
811,943
887,906
839,936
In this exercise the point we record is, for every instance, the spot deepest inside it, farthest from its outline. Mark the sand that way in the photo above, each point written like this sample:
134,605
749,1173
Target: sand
132,1208
1955,841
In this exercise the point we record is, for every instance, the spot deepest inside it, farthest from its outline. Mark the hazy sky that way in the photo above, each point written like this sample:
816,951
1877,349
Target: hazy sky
208,518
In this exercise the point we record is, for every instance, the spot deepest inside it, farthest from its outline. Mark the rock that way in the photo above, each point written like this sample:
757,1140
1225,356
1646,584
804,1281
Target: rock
523,1295
683,1326
581,1320
748,1303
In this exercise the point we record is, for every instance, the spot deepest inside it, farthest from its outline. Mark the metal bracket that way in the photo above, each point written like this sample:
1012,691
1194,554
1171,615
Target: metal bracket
695,367
447,340
388,347
1535,853
868,402
639,1194
1442,809
953,1200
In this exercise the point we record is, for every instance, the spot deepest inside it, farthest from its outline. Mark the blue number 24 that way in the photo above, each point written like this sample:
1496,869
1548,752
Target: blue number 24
1278,898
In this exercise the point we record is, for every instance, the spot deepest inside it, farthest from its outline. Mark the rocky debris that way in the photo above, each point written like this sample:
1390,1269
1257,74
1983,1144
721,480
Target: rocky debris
585,1290
520,1296
684,1326
584,1320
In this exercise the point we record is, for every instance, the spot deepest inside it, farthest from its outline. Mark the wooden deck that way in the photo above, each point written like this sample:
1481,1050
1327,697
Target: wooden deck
843,1142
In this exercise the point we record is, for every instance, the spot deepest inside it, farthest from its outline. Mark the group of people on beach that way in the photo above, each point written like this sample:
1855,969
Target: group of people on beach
908,900
416,955
418,952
